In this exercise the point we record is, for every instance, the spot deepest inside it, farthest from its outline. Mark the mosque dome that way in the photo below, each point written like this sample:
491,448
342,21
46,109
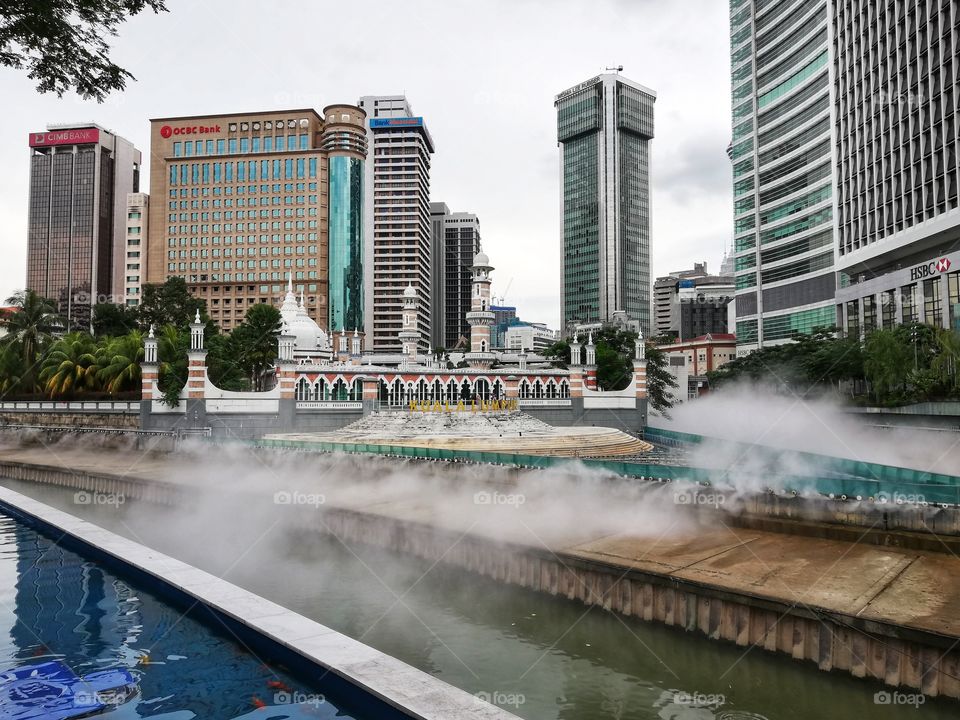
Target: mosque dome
481,260
307,334
410,292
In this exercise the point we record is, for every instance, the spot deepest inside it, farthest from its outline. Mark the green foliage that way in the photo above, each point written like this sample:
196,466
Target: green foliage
170,304
660,381
30,330
114,320
69,366
63,44
256,342
172,347
904,364
118,362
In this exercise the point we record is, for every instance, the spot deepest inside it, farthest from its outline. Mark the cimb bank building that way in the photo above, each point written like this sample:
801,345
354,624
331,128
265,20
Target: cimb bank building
241,202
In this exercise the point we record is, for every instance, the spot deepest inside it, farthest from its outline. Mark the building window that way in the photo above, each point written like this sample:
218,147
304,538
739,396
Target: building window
932,311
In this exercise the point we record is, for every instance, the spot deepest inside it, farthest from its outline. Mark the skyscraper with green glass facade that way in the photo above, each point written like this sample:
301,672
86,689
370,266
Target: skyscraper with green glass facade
604,128
781,152
344,138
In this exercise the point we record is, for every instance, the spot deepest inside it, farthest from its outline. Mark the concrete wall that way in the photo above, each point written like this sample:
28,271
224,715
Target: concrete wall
245,426
627,419
130,421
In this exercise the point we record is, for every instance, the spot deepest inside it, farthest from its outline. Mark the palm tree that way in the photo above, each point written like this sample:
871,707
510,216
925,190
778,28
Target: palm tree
11,368
118,361
69,365
947,361
30,326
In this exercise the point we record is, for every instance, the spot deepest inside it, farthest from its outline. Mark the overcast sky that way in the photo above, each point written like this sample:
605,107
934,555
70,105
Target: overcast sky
482,73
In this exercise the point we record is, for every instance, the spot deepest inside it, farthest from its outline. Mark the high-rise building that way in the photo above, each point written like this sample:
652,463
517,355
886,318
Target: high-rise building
845,163
242,201
138,205
897,151
80,176
397,232
438,268
782,170
604,128
691,303
461,243
345,142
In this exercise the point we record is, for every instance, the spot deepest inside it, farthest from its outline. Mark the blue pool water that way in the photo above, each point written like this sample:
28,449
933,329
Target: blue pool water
57,605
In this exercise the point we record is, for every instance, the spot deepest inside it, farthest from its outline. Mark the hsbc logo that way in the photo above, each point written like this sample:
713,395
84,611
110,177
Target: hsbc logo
167,131
926,270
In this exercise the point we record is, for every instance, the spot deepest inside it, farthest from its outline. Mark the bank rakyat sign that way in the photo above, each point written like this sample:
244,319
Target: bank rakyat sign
934,267
83,136
167,131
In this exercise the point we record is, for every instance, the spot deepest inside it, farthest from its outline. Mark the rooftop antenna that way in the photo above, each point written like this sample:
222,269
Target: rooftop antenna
616,68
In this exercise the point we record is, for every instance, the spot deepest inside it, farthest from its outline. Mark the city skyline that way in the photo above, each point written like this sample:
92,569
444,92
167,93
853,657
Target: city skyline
518,199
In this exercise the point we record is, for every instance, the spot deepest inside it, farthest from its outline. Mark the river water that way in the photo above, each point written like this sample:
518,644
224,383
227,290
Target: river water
538,656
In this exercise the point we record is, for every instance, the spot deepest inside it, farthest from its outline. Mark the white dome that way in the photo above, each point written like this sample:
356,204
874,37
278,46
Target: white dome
307,334
410,291
481,260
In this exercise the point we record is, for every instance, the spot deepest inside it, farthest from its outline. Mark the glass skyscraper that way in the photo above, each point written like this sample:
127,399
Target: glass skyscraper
782,170
345,140
604,128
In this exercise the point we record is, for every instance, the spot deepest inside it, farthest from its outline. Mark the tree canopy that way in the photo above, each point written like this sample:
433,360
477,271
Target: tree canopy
62,44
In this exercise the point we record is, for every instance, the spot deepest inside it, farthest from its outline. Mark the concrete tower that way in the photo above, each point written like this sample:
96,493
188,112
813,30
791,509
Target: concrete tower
410,335
480,316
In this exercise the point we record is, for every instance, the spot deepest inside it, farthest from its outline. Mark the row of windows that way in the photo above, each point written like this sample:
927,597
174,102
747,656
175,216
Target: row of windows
228,252
246,171
797,79
795,269
783,327
237,277
270,143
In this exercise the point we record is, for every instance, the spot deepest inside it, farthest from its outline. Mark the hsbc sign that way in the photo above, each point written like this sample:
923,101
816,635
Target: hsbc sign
934,267
169,130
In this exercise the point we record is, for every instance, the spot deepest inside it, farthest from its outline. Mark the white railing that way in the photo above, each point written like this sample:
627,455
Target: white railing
544,402
100,406
328,405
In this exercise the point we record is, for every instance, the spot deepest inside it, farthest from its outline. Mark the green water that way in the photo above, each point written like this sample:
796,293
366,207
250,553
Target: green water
538,656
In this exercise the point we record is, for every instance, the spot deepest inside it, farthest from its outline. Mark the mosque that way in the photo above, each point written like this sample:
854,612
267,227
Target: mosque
317,374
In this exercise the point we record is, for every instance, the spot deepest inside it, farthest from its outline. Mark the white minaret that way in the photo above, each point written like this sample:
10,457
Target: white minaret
409,335
480,316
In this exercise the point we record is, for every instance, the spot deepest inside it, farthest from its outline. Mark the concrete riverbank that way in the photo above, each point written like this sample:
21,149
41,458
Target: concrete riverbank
871,611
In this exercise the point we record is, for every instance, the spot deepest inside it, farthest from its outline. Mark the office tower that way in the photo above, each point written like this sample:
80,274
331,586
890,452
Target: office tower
897,150
604,128
397,233
138,205
241,201
460,244
692,303
80,176
782,170
438,267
